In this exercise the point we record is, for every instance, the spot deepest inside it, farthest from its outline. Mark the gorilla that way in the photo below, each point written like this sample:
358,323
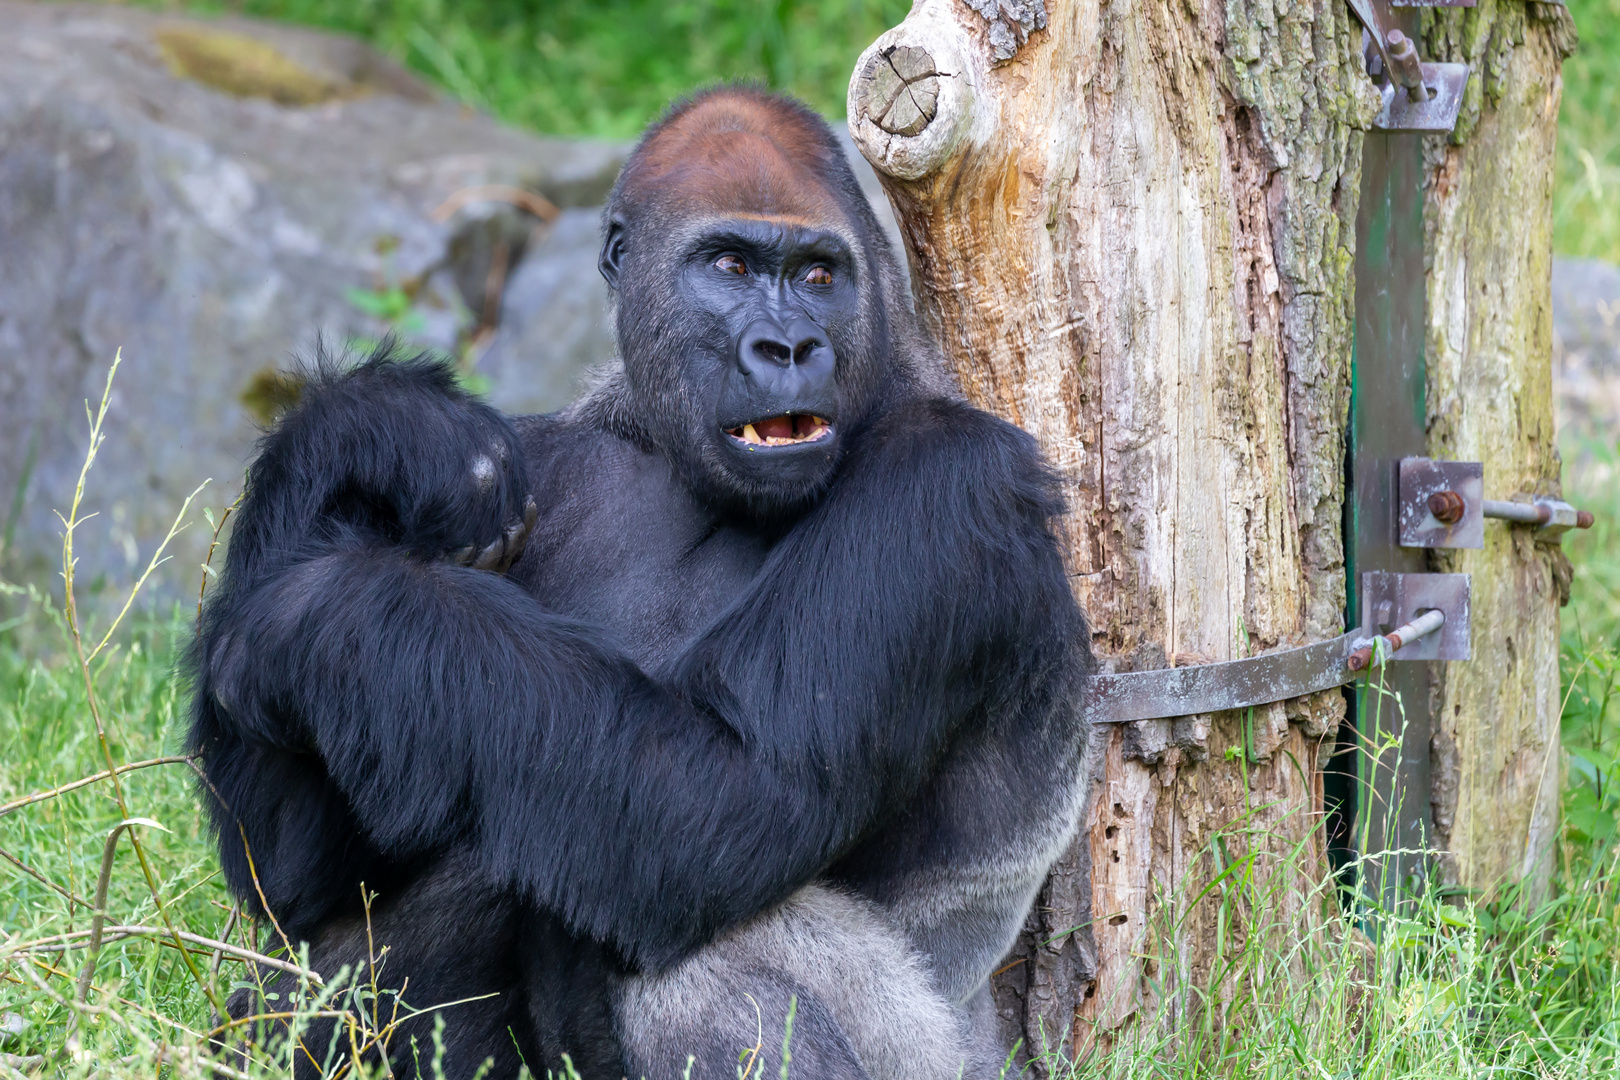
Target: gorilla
741,693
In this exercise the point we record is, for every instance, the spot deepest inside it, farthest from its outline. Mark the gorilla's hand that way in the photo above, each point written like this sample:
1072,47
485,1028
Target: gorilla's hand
506,548
389,453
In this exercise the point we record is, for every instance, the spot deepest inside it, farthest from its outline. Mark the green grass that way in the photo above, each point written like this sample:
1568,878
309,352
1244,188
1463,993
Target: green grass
1591,646
1586,200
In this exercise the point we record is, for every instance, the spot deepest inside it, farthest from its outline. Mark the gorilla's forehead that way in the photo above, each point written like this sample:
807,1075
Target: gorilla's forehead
736,173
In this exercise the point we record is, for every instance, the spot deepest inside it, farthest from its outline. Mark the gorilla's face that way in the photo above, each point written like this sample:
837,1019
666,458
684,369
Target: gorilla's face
750,326
778,293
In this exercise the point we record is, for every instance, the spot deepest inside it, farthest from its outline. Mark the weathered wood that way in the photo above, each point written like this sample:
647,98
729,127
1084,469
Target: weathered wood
1134,238
1494,759
1132,226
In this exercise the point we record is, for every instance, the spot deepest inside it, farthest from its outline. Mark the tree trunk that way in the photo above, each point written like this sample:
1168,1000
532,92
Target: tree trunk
1132,227
1488,243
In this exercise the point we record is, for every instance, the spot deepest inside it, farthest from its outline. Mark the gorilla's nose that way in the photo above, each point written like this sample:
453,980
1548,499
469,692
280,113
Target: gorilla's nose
777,356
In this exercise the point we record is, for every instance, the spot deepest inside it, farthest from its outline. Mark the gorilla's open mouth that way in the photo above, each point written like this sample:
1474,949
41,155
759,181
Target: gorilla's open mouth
786,430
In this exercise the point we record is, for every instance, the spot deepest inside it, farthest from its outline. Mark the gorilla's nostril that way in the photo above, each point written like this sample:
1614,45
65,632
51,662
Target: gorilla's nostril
773,350
802,353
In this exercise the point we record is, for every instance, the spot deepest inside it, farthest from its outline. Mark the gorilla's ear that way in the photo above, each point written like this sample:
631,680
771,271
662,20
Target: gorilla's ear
612,251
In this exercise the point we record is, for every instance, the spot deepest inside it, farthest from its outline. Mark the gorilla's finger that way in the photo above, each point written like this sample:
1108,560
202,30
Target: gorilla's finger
491,558
464,556
517,538
517,534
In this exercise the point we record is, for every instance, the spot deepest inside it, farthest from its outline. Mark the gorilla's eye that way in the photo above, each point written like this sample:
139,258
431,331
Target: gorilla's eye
819,275
731,264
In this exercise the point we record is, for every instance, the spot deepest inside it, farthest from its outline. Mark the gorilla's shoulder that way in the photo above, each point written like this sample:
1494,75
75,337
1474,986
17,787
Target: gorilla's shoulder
950,427
538,433
550,438
568,457
947,444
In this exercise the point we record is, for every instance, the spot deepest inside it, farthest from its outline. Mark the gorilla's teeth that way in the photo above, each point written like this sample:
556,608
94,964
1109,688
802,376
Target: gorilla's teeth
750,435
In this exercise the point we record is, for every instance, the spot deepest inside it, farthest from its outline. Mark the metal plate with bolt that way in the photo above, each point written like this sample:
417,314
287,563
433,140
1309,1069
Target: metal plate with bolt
1412,600
1443,505
1417,96
1393,603
1441,88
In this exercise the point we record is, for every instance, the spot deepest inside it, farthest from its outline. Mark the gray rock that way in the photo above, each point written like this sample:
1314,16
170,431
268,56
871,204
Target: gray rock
1586,349
205,195
555,305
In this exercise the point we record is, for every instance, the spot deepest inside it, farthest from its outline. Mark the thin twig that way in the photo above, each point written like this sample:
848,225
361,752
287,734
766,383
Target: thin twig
70,613
208,561
41,878
105,774
253,872
535,203
77,939
98,914
157,560
225,935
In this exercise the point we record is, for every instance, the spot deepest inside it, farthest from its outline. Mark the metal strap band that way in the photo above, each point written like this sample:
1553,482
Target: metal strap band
1233,684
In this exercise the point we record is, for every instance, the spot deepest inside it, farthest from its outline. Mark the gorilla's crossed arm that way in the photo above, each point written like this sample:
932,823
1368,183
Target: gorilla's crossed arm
420,703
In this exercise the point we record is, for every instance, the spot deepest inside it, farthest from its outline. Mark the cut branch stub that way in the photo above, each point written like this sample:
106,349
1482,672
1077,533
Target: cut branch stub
899,89
911,100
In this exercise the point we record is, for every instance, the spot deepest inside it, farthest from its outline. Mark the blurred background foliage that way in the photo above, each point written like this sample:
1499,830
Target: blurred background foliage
602,67
606,67
1586,204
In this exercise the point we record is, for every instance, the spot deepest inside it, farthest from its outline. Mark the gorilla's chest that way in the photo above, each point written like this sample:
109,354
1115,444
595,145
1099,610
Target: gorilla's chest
620,544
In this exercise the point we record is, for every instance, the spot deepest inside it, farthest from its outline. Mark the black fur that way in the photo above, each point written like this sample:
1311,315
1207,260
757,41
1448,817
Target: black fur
698,690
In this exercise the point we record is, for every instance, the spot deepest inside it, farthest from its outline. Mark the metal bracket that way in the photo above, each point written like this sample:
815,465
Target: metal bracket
1552,517
1232,684
1417,96
1390,600
1442,503
1445,83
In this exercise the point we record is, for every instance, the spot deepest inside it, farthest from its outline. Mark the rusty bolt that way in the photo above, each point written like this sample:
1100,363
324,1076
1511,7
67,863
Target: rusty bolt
1404,66
1584,519
1447,507
1363,656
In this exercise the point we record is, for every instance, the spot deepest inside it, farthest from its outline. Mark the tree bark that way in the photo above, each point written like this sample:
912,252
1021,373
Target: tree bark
1131,226
1488,241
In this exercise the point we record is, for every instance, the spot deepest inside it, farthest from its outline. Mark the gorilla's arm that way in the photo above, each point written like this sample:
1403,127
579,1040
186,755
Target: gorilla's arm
445,704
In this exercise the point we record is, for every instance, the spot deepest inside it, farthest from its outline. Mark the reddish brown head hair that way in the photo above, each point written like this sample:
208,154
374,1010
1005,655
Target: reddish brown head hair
740,150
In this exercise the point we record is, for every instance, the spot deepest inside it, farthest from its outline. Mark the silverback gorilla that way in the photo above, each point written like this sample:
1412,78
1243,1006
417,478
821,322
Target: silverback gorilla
746,682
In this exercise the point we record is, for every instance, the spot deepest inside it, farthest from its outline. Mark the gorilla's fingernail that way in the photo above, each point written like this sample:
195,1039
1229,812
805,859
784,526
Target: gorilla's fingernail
490,557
